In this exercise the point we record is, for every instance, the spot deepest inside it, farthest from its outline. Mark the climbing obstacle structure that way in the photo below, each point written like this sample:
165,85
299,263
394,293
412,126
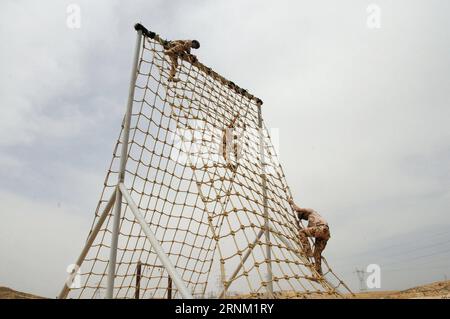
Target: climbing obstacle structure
194,192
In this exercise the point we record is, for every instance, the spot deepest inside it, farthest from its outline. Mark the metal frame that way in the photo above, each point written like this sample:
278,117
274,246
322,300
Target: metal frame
116,201
269,277
121,191
121,177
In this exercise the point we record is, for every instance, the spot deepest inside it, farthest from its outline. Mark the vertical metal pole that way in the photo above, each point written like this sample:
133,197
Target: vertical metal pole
223,277
121,178
169,287
138,279
266,210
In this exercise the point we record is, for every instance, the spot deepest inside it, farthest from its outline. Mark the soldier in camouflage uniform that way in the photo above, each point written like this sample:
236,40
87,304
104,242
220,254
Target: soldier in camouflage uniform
175,48
317,228
230,144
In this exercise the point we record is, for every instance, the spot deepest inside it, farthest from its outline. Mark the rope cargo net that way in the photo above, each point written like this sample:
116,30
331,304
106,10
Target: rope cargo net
204,174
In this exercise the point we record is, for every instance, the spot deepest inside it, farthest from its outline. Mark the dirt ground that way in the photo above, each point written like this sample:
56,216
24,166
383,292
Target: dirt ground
8,293
436,290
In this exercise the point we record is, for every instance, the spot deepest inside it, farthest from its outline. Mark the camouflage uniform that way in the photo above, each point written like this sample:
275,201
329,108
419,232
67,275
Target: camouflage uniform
318,229
175,49
230,145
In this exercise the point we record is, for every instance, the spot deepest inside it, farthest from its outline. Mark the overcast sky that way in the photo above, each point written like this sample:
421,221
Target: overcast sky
362,115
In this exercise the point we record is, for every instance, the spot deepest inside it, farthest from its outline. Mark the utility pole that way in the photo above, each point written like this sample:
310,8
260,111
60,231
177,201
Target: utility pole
361,274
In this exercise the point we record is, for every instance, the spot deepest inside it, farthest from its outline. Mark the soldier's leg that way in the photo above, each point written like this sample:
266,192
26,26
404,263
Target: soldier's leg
303,236
173,69
319,246
322,234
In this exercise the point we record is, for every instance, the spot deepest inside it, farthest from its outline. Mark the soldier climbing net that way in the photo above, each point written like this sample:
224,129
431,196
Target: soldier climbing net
193,193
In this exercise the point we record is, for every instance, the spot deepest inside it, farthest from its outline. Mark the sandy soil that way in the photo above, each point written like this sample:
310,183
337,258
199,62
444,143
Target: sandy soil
436,290
8,293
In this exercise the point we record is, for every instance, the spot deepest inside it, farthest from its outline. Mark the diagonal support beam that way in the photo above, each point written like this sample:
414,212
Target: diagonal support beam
176,278
241,264
89,242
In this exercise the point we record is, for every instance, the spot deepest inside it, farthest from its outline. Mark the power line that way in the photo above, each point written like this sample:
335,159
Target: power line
367,252
431,260
419,257
417,268
420,248
434,235
411,251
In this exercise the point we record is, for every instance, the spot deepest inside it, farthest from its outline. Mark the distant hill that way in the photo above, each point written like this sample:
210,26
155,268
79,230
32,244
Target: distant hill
8,293
436,290
439,289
